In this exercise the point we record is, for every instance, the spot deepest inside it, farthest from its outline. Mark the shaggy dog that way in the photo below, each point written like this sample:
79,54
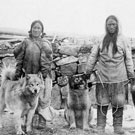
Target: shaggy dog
21,97
78,109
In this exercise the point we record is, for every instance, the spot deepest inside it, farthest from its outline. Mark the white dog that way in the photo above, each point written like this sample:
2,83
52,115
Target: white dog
21,97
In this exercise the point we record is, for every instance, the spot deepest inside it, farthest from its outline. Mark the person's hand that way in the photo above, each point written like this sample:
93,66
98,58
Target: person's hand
44,76
132,80
87,74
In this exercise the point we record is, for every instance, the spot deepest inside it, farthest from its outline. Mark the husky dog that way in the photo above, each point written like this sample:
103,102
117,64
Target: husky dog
20,96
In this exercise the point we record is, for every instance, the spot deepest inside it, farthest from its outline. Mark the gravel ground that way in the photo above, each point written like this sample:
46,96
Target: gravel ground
60,125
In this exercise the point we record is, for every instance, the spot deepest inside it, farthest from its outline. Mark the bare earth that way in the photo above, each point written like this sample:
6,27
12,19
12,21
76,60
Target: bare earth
60,125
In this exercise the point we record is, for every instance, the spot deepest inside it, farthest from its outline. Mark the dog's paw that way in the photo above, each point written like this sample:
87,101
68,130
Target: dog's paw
20,132
86,128
72,126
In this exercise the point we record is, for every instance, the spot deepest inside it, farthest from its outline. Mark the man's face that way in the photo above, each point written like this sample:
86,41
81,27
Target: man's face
111,26
36,30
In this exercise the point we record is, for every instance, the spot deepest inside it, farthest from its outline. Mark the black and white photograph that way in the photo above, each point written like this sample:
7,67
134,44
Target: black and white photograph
67,67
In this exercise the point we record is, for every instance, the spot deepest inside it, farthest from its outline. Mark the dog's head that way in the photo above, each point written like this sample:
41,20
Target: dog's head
78,82
34,84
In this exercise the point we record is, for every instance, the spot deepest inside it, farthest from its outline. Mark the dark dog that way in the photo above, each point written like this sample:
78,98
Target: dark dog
78,109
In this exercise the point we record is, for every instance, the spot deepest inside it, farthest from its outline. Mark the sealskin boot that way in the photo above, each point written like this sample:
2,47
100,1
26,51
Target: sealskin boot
101,119
117,120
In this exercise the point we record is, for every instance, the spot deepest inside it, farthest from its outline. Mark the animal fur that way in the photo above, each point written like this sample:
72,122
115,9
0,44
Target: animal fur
21,97
78,109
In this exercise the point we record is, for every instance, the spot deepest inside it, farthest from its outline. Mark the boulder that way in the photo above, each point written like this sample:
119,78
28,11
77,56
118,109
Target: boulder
66,60
69,50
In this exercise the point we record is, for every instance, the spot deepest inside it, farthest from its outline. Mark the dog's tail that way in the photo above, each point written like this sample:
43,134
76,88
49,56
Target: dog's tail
7,73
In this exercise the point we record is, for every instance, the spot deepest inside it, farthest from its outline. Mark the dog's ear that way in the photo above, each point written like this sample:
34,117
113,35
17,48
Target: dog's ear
27,77
40,75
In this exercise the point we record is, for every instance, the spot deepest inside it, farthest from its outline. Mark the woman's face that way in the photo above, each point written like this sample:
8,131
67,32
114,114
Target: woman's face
111,26
36,30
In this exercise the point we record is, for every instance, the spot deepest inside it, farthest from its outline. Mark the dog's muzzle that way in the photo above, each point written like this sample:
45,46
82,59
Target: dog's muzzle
35,91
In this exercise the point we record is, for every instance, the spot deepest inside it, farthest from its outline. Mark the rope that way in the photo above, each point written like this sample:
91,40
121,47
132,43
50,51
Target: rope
116,109
102,111
100,78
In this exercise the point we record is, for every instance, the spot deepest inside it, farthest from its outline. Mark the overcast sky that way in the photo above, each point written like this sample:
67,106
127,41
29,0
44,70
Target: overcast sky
70,16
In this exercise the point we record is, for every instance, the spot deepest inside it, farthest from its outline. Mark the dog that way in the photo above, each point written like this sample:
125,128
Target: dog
78,110
20,96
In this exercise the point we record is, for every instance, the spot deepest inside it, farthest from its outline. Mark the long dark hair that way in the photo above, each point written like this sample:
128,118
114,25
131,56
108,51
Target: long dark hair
33,23
111,37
